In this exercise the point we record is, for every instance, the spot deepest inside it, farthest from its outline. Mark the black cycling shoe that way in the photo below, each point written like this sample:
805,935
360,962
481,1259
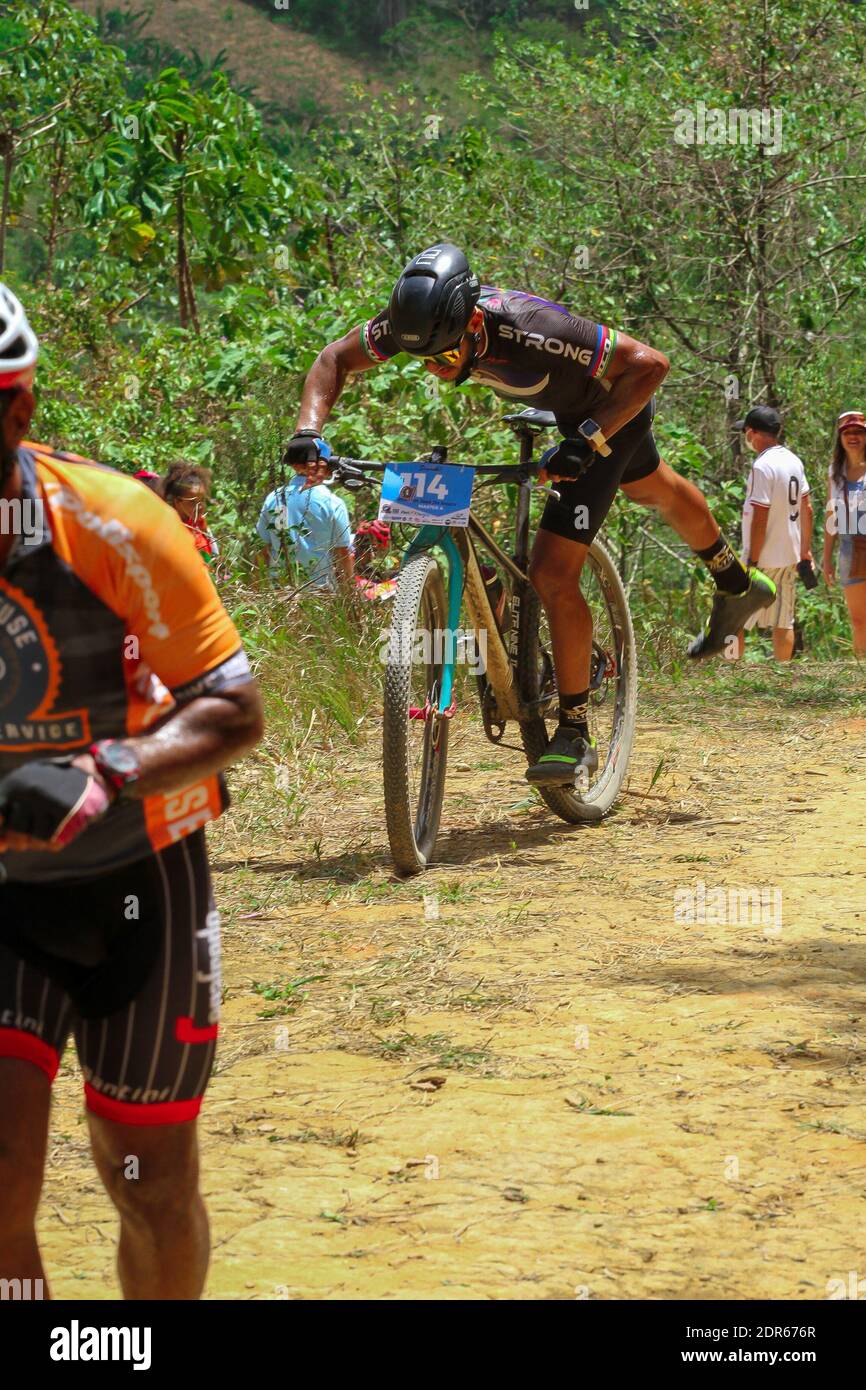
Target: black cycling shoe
566,760
730,613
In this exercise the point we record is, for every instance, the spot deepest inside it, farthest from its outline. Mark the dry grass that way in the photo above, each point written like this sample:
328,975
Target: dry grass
534,1082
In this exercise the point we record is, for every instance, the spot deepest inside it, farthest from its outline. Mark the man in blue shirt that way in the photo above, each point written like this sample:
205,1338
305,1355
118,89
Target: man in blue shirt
308,527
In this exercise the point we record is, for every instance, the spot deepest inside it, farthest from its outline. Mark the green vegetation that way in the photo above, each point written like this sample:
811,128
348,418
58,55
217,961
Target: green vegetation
184,255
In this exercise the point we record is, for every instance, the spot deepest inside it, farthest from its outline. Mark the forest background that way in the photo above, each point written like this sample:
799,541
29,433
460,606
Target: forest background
196,198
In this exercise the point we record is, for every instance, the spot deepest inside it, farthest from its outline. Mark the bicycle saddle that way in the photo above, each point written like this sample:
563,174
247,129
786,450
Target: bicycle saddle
534,420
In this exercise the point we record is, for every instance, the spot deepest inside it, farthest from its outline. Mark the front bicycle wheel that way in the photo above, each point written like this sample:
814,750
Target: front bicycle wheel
613,688
415,736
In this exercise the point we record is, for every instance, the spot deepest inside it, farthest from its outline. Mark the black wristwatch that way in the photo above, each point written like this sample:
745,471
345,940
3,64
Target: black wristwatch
117,764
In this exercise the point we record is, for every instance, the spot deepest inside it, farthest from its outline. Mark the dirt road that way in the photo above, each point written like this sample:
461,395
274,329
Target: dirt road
541,1080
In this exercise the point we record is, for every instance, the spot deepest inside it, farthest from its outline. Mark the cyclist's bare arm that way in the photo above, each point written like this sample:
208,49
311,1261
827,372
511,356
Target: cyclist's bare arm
635,373
327,377
194,742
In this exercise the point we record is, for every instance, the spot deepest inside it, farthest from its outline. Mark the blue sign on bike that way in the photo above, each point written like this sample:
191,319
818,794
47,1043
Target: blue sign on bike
427,494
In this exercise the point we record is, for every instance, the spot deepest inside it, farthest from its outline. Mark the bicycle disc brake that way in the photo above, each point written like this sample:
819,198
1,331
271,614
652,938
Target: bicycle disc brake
603,669
494,728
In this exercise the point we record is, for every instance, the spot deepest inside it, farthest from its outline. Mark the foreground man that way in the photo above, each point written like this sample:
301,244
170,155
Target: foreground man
600,386
124,692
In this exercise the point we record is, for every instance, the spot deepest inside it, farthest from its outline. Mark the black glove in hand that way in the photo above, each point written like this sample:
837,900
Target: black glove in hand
50,800
305,448
570,459
806,571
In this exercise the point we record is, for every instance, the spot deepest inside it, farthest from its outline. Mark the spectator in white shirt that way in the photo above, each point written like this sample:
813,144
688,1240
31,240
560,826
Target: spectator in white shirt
777,524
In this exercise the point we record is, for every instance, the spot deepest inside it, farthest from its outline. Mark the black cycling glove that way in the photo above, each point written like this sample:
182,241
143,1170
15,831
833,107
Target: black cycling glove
806,571
570,459
304,448
50,800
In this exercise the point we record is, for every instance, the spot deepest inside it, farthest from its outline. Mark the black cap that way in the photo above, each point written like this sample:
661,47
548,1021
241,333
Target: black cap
761,417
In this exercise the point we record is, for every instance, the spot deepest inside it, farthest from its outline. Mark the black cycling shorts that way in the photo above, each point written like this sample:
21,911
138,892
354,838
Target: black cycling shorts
585,503
142,1001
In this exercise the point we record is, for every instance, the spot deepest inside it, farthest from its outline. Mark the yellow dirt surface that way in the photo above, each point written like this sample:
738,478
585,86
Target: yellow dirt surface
538,1083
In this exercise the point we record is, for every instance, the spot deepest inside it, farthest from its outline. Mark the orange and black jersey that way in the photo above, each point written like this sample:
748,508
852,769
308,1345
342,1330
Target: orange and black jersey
531,350
108,619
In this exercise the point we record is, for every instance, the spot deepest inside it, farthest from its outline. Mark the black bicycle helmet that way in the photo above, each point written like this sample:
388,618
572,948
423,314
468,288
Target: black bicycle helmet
433,301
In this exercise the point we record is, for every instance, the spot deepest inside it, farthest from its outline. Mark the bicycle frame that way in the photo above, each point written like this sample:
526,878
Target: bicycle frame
465,580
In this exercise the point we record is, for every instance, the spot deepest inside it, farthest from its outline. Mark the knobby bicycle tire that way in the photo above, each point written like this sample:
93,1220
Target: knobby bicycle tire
568,803
413,820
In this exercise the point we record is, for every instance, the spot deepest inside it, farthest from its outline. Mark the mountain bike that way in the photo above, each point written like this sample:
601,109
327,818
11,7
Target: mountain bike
440,574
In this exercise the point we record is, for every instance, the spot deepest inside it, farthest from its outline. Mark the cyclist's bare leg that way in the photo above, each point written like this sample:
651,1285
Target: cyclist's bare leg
25,1102
682,505
151,1175
555,570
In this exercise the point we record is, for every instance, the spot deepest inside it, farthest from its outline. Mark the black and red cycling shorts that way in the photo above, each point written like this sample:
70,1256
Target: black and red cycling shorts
149,1061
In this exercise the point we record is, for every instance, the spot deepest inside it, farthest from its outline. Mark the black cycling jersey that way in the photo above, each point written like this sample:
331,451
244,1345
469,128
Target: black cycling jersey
538,353
531,350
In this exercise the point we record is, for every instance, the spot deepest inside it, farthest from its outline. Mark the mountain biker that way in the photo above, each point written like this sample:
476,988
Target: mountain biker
600,386
124,692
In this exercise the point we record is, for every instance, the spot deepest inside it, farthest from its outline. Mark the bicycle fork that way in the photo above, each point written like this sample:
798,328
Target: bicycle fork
465,578
442,705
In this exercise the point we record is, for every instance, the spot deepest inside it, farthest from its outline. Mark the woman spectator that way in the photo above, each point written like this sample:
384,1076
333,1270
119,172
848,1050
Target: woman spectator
187,488
150,479
846,518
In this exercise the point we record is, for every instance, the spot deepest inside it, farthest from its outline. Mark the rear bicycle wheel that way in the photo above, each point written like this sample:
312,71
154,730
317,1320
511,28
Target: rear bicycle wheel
414,737
613,688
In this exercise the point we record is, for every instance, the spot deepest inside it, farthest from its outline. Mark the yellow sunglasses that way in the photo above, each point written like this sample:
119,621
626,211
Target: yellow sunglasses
449,358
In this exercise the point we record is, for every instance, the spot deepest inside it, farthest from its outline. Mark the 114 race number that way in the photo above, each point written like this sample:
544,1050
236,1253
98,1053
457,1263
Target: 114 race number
425,494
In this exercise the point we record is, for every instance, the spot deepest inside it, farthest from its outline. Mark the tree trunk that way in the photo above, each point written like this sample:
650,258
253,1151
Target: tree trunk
182,306
7,150
187,307
763,258
389,13
54,217
329,248
192,306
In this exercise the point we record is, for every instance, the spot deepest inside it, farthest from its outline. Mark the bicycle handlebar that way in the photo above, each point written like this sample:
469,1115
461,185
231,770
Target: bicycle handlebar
354,469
